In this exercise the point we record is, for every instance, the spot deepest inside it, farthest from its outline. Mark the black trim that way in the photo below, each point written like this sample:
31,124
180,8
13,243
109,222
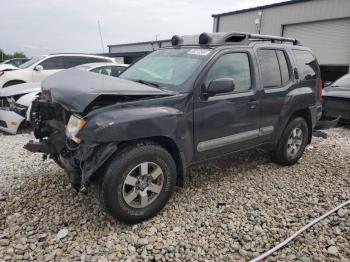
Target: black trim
260,7
122,54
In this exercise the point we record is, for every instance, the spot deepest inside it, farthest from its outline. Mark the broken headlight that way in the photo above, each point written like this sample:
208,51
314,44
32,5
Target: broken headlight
74,125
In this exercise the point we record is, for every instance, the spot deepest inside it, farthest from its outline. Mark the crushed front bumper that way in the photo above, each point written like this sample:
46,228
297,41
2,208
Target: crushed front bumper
10,121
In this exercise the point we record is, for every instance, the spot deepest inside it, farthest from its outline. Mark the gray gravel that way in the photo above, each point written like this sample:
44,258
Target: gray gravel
232,209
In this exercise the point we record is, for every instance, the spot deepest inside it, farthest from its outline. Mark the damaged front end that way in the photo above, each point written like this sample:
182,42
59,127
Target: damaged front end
75,119
12,114
58,139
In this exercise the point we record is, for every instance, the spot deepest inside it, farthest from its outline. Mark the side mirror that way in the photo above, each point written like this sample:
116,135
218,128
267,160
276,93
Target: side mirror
38,68
220,86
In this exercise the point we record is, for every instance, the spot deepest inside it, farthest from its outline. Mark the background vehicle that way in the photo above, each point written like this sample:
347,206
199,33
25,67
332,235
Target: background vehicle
37,69
336,99
12,64
14,61
15,100
110,69
205,97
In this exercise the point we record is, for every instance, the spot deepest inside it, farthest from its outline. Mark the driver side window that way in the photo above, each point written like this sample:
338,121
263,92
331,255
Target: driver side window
235,66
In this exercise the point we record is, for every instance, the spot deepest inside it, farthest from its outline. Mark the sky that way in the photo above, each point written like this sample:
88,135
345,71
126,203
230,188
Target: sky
47,26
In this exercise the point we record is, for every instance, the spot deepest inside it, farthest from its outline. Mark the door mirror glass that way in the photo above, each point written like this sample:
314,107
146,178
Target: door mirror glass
39,68
221,86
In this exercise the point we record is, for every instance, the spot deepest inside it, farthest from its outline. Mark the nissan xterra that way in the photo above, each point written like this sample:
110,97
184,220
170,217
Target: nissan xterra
204,97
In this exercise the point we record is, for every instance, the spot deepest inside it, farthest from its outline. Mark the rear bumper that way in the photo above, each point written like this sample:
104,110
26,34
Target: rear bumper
10,121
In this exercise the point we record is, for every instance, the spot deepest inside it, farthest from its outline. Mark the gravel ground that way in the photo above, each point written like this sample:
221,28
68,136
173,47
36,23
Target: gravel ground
232,209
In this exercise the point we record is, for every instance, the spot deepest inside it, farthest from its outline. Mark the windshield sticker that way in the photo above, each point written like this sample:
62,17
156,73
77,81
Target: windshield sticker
198,52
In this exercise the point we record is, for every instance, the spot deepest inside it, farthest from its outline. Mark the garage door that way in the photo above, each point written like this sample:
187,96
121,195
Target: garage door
329,40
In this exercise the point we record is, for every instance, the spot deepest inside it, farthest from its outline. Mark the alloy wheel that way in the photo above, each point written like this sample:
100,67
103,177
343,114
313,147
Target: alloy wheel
295,141
143,184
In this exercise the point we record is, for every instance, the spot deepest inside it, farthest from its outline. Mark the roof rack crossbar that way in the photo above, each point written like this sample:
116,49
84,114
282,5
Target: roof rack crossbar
273,38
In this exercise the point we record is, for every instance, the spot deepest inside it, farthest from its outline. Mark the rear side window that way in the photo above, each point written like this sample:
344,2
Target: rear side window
306,64
269,66
235,66
274,68
95,60
283,66
71,61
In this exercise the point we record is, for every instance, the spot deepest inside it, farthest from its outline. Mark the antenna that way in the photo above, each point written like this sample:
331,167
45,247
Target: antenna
99,29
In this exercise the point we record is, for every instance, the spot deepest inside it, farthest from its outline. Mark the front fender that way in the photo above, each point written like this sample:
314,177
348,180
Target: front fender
124,124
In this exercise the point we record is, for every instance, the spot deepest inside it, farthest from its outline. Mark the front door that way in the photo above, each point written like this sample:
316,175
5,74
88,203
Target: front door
227,122
50,66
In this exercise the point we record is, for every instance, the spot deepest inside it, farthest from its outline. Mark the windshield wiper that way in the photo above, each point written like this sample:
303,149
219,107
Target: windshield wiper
147,83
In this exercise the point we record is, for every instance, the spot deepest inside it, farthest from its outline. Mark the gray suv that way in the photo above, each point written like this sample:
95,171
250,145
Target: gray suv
204,97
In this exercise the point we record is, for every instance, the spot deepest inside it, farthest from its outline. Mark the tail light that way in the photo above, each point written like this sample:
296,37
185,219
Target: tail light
321,89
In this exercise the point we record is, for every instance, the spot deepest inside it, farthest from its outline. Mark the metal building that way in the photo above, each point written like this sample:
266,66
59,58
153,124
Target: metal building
322,25
128,53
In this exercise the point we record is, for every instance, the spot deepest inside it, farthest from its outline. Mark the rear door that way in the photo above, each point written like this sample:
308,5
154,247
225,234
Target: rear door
277,80
227,122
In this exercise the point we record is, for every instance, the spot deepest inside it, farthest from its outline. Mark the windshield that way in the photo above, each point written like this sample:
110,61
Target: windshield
167,67
6,61
344,81
31,62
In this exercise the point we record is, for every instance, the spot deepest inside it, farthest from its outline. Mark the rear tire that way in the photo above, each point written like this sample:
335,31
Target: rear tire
292,143
11,83
138,182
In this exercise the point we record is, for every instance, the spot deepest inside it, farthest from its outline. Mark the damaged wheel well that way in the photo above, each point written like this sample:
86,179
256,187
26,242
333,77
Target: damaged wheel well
165,142
171,147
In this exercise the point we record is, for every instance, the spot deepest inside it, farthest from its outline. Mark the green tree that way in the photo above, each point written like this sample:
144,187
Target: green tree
4,56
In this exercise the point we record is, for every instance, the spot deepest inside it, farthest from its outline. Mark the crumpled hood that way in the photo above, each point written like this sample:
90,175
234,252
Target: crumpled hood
20,89
75,89
341,92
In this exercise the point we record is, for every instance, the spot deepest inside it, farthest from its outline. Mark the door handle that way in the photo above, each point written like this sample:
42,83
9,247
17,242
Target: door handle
252,103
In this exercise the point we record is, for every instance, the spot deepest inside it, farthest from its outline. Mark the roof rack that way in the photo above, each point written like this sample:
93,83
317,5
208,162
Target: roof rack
225,38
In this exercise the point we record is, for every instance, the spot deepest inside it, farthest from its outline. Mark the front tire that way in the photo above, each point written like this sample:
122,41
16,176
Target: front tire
292,143
138,182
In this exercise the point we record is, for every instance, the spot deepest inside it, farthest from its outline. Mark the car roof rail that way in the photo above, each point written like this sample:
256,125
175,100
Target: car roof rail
273,39
228,38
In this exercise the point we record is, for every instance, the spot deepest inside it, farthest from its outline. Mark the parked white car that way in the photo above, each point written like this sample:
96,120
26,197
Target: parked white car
16,100
37,69
12,63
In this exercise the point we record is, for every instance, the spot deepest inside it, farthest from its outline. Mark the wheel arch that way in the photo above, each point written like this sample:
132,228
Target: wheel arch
163,141
17,81
170,145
